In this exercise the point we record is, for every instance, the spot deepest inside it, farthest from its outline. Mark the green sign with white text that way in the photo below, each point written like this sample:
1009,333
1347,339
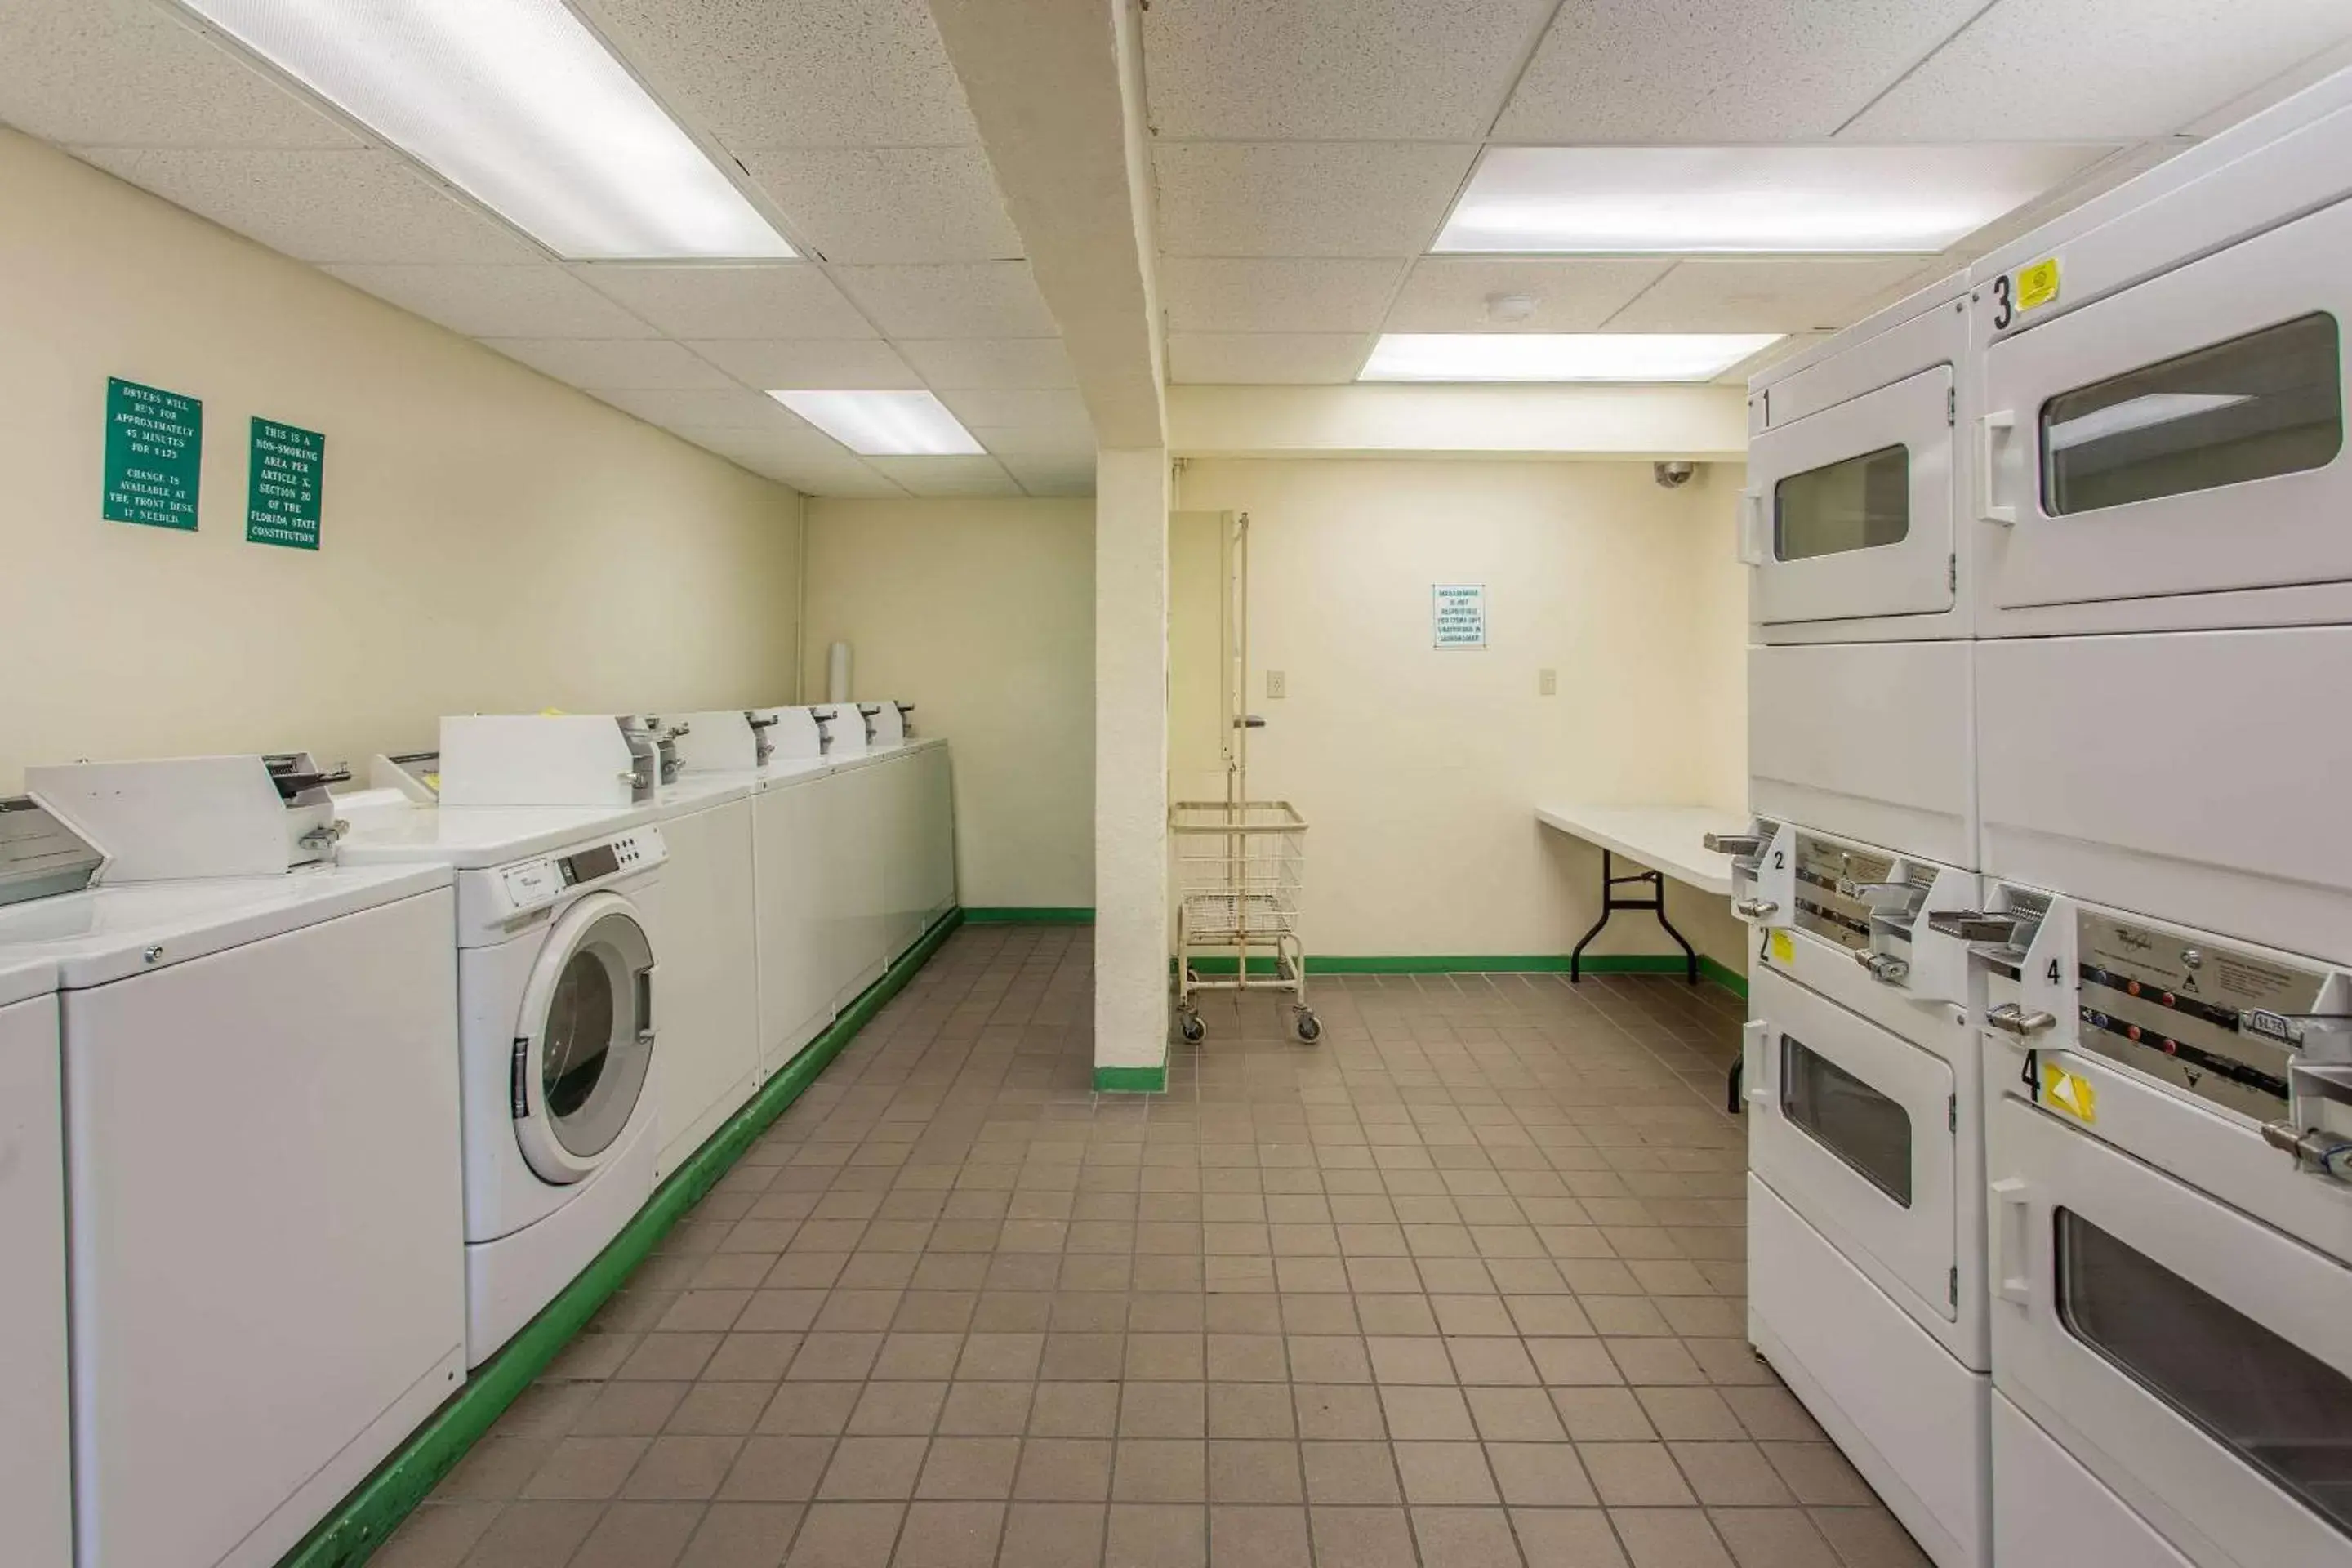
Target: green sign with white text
282,486
155,451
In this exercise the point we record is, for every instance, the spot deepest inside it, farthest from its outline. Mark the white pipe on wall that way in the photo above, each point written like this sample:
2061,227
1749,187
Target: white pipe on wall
837,673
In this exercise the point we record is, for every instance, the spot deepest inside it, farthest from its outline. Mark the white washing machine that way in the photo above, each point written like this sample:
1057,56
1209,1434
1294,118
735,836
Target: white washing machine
557,1015
1859,706
2169,1149
264,1220
2164,573
36,1447
703,909
1860,1070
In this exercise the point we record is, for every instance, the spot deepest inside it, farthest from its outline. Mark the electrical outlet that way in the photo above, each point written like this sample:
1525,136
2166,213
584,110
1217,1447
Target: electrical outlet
1546,683
1277,684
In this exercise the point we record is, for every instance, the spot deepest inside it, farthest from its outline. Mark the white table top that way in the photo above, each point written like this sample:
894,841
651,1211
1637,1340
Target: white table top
1665,838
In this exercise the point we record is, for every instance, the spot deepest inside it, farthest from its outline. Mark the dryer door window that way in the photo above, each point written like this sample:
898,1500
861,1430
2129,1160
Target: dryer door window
2283,1410
582,1064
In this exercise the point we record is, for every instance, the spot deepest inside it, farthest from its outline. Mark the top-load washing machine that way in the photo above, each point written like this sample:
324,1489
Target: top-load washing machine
2163,569
560,1013
264,1222
36,1470
1859,676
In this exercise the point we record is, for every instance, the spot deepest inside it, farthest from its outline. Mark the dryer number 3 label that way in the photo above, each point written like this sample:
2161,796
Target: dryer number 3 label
2027,289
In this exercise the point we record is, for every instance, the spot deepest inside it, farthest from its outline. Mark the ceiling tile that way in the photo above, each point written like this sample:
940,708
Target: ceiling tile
2065,69
1450,294
1781,294
778,445
847,477
541,301
797,73
1264,296
819,365
1719,70
320,207
706,408
1010,363
1335,70
781,300
1031,444
127,73
889,204
1769,355
1276,358
1305,198
1056,411
978,476
600,364
956,300
1054,476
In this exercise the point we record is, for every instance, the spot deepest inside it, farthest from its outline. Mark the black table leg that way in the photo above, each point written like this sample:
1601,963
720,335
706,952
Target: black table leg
1611,903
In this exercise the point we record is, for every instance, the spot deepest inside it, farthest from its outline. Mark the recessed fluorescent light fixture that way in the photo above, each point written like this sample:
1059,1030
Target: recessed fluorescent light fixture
1560,356
516,103
884,423
1712,200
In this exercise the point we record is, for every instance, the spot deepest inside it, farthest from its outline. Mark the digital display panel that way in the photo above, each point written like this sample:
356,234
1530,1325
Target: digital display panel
591,864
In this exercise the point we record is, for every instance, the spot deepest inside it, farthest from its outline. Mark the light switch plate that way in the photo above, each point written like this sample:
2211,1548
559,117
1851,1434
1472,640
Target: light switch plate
1277,684
1546,683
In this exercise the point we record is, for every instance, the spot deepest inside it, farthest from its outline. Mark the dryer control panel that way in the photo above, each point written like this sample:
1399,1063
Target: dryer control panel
527,887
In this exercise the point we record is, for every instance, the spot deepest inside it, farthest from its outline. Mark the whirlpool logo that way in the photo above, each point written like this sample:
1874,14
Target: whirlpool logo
2134,941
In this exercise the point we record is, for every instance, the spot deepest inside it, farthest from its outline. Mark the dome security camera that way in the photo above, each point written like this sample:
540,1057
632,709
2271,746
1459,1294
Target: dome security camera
1675,475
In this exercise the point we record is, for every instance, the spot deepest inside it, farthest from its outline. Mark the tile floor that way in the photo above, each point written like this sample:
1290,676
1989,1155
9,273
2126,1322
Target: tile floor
1458,1288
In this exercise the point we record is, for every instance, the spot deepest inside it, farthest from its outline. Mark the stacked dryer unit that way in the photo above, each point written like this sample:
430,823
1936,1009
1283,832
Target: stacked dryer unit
1860,1070
2164,600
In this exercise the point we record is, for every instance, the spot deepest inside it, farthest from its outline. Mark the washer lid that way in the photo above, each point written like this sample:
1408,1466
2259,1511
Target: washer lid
472,837
107,934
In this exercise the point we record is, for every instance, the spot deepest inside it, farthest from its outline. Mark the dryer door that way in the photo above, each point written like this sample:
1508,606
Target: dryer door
584,1041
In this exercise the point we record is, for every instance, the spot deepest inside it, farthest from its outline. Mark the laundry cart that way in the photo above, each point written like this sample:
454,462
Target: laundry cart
1240,865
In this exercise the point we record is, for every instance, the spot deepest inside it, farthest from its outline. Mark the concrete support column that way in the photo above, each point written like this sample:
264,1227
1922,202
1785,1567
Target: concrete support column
1131,935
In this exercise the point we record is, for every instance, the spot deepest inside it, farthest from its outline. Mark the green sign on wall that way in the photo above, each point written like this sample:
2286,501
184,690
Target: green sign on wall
283,480
155,450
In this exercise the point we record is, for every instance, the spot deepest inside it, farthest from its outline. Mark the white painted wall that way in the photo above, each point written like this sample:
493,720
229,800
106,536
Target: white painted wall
980,613
491,540
1419,769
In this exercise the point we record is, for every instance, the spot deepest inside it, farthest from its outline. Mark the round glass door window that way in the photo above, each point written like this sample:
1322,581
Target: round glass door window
585,1069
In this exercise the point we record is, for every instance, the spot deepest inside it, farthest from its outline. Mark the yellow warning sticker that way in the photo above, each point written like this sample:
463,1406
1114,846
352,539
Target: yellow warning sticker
1784,951
2037,285
2070,1092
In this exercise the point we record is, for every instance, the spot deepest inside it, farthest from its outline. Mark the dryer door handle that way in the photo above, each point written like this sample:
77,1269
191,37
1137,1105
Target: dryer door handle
2012,1216
1993,432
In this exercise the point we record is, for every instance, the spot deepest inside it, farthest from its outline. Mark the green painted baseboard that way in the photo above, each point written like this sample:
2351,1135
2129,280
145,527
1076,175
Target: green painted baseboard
1028,915
1486,964
1132,1080
367,1518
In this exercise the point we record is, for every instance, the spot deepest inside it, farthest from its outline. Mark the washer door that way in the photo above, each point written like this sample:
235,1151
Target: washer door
585,1041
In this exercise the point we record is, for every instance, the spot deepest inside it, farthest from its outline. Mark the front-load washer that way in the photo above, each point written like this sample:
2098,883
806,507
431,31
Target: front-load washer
36,1470
557,1012
264,1217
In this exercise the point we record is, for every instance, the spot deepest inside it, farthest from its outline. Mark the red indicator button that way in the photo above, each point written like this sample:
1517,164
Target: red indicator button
2131,987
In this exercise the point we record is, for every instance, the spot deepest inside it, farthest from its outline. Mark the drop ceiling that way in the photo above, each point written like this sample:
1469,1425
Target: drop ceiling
1306,154
845,115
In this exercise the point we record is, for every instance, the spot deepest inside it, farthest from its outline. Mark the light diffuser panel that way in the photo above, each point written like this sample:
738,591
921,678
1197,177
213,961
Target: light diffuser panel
516,103
1735,200
1560,356
884,423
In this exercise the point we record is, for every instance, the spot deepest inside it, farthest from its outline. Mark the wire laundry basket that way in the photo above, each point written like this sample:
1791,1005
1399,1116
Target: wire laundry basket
1241,868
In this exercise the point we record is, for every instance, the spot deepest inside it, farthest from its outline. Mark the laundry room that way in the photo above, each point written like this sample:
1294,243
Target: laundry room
1174,783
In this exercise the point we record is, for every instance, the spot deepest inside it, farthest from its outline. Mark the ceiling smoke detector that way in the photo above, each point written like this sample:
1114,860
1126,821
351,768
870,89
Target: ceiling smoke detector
1510,310
1673,476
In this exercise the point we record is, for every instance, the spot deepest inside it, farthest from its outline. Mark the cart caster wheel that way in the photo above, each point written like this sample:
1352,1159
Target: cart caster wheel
1189,1025
1310,1027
